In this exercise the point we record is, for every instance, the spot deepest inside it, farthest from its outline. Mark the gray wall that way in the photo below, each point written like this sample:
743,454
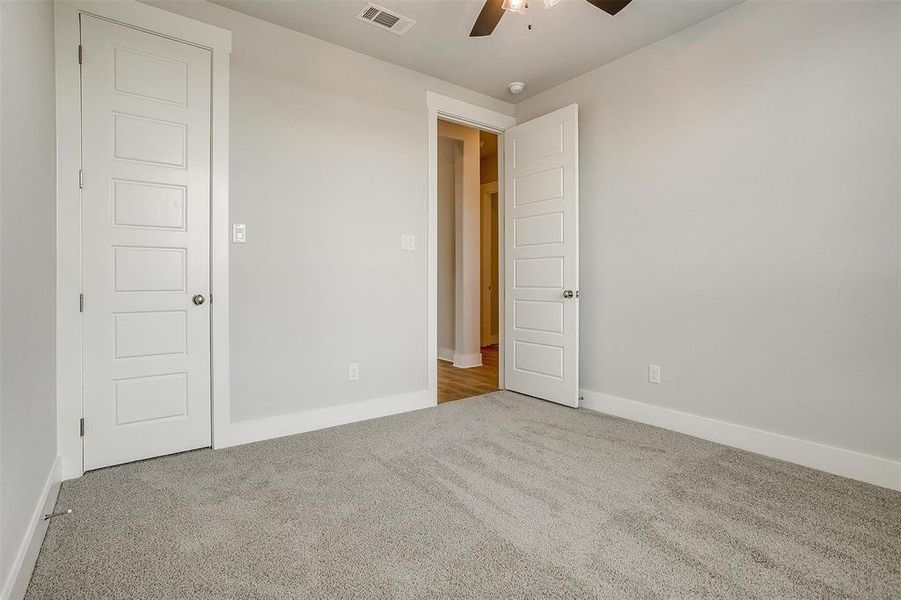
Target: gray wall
328,169
740,219
448,150
27,263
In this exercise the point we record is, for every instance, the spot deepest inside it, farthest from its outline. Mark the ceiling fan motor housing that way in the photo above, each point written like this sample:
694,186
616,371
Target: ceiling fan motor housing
493,10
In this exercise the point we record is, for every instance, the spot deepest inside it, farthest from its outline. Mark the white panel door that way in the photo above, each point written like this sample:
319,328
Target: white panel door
541,258
146,214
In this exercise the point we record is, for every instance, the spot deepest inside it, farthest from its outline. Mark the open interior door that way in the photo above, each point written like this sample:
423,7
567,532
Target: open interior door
541,189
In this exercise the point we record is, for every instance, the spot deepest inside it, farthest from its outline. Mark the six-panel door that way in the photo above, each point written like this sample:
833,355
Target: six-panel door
145,206
541,257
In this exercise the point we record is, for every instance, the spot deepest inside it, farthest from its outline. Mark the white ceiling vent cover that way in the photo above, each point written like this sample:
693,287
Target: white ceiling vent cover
385,19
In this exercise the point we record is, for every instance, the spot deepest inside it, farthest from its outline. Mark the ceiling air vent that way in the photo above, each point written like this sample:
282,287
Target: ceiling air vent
385,19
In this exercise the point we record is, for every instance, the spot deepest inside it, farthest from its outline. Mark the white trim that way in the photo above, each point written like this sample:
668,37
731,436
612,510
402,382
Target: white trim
446,354
467,361
468,114
220,229
68,156
23,565
464,113
151,19
501,264
245,432
838,461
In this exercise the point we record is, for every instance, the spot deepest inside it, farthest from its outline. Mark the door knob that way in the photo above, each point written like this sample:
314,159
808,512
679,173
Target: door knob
570,294
198,299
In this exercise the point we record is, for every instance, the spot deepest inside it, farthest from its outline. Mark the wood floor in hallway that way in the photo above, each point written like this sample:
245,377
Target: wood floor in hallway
454,383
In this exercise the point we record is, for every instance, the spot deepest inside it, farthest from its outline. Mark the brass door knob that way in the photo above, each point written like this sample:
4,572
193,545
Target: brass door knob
198,299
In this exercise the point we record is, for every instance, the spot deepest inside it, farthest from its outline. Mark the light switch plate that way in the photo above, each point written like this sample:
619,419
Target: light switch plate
239,233
408,241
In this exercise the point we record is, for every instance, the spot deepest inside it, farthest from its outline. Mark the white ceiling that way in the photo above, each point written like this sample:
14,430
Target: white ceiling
566,40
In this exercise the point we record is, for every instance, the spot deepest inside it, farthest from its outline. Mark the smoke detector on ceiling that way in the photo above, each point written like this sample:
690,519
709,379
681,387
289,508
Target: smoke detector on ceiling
385,19
516,87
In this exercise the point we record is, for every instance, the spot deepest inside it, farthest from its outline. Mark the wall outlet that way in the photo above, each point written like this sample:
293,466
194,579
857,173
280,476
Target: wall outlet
653,373
353,371
408,242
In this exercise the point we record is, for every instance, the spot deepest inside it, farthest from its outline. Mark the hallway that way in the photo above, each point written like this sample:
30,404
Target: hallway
454,383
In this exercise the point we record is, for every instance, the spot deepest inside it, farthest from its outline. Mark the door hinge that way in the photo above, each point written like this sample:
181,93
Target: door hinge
81,179
81,427
80,51
81,303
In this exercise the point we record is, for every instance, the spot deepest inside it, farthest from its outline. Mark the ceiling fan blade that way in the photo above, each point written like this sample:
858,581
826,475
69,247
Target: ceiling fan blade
611,7
488,19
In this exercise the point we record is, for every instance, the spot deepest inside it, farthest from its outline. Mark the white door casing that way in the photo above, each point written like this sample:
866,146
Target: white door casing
542,257
146,250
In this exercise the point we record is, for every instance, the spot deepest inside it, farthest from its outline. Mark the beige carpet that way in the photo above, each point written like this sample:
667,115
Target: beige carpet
496,496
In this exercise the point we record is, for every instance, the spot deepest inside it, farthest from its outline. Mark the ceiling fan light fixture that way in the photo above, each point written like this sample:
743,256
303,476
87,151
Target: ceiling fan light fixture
517,6
493,10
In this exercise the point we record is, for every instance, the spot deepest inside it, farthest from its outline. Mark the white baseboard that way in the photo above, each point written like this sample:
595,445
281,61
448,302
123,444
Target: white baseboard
838,461
446,354
494,339
468,361
23,565
245,432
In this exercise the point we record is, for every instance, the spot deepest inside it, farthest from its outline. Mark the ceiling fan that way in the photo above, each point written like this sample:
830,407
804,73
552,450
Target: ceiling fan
494,9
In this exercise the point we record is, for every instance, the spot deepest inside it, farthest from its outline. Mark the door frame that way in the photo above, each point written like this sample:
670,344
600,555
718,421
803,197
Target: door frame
70,408
471,115
485,193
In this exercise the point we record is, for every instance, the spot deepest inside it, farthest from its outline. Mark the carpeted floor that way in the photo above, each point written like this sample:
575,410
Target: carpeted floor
495,496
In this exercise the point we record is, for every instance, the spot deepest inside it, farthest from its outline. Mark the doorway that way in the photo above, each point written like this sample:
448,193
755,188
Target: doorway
468,262
538,215
183,66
